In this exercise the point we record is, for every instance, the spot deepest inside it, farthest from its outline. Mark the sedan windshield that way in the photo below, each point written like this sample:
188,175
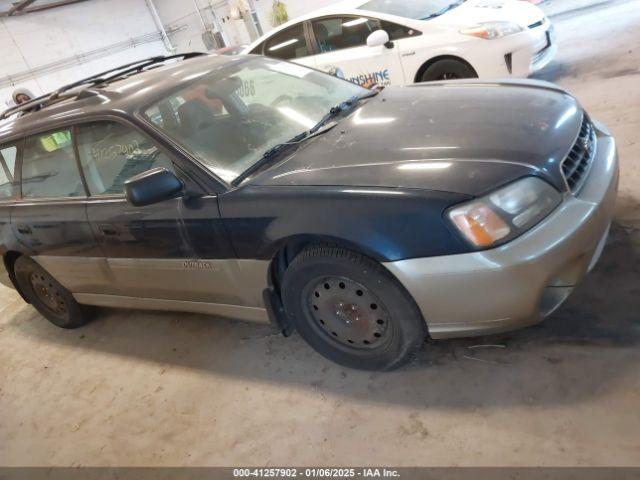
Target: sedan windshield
415,9
235,116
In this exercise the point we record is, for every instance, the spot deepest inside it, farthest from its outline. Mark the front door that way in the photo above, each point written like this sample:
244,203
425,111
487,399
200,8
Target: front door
341,43
174,251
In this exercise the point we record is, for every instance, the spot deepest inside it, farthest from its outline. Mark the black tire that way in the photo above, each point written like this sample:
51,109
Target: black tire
448,69
379,324
52,300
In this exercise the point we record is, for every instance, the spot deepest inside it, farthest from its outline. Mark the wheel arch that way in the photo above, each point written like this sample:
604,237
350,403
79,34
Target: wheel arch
9,258
423,68
287,249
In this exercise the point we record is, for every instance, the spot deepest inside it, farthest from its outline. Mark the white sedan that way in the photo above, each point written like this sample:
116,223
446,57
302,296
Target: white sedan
398,42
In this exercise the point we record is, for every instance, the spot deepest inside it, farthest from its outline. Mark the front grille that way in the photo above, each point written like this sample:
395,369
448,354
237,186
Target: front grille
537,24
575,168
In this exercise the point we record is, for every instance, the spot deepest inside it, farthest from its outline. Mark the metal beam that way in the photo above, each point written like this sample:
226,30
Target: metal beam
47,6
19,6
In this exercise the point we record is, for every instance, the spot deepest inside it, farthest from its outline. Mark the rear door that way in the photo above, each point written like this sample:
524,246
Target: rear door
49,218
176,250
341,43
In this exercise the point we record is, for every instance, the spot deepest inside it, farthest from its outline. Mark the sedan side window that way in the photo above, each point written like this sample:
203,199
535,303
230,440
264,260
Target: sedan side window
288,44
111,153
7,168
49,167
339,33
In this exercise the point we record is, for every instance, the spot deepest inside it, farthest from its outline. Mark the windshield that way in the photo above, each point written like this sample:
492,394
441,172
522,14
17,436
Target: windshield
231,116
416,9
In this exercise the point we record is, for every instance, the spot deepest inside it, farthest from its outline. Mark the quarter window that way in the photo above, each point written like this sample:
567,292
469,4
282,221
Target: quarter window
7,169
111,153
49,168
288,44
398,32
338,33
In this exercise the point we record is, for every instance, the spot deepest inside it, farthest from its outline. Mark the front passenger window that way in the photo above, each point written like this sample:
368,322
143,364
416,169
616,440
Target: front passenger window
49,168
111,153
339,33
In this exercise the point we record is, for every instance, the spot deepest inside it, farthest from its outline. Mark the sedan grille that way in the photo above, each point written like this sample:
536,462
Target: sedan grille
575,167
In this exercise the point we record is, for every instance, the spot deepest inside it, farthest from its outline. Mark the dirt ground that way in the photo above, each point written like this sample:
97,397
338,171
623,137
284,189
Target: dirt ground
144,388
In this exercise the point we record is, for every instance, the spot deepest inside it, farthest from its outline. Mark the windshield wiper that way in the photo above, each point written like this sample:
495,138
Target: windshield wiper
444,10
274,152
317,129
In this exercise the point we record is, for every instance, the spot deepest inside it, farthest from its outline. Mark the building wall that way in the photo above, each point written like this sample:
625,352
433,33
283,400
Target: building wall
116,31
217,16
295,8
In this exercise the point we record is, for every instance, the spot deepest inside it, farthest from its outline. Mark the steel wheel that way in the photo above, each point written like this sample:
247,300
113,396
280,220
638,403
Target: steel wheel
48,293
350,309
348,312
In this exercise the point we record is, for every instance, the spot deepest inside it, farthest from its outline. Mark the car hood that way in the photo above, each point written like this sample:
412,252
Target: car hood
465,137
478,11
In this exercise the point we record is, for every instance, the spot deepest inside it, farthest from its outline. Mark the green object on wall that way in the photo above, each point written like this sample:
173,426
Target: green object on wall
279,13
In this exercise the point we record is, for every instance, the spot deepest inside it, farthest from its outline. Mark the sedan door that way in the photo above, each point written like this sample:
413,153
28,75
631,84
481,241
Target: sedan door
173,252
341,43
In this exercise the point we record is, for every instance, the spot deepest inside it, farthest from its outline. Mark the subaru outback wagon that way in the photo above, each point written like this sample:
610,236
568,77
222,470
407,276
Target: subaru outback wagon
262,190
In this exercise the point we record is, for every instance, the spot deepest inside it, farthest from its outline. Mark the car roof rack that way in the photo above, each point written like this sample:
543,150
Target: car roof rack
102,78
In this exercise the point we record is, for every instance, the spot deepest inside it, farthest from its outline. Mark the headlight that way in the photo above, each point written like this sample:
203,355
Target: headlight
505,213
491,30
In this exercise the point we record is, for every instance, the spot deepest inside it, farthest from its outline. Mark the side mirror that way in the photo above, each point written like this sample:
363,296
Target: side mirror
378,39
153,186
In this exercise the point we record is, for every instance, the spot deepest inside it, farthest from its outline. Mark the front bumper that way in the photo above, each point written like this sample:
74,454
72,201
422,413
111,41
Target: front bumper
517,55
522,282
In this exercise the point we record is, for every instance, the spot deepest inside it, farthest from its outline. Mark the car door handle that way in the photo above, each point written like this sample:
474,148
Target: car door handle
24,230
108,230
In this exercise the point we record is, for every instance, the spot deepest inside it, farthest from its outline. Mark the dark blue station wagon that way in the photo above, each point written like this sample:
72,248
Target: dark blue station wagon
257,189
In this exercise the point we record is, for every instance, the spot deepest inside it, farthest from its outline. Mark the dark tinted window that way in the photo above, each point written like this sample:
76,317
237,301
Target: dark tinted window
338,33
111,153
288,44
49,167
7,168
398,32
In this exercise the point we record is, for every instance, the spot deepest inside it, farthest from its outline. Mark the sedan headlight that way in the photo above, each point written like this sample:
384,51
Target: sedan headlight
505,213
491,30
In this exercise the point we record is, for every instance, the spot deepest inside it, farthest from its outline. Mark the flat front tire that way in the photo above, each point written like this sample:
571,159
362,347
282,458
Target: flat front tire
351,310
47,295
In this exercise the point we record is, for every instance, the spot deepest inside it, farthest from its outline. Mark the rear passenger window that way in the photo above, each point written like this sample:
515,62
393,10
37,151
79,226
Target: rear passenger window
111,153
339,33
7,168
288,44
49,167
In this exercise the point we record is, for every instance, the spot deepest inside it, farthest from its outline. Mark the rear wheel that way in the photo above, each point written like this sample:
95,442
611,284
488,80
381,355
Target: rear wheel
351,310
448,69
52,300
